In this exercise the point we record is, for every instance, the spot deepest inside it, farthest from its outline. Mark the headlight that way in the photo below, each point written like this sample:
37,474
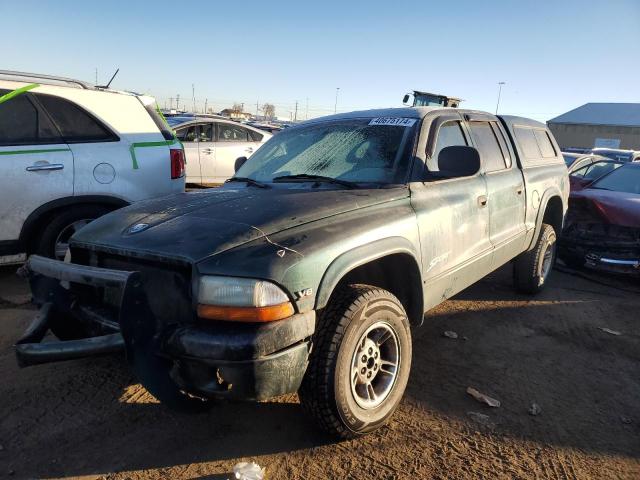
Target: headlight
242,300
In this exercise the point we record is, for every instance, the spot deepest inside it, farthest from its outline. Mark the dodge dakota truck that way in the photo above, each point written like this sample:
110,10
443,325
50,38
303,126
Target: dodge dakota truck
308,270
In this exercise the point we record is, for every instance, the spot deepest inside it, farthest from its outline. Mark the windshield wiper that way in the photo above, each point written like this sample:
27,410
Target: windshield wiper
250,181
314,178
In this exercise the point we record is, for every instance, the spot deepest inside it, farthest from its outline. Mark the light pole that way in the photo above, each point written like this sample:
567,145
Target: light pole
335,107
499,92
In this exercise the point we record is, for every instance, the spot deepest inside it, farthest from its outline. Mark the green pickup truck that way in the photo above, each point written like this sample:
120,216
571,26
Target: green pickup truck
310,268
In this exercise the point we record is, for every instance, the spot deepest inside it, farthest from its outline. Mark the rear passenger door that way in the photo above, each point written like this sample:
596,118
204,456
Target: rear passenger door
188,135
233,141
36,165
505,187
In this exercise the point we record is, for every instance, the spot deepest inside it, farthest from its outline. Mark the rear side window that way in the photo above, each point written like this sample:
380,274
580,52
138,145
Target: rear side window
255,136
544,143
232,133
485,140
75,124
527,141
186,134
159,121
21,123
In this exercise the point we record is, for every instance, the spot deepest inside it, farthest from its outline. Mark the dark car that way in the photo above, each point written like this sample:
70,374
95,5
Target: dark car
310,268
584,169
602,227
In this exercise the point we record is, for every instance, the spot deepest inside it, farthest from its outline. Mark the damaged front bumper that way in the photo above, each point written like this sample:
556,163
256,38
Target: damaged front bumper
603,247
212,359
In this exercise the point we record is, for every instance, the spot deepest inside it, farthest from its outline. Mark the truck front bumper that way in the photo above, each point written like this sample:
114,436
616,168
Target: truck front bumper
214,359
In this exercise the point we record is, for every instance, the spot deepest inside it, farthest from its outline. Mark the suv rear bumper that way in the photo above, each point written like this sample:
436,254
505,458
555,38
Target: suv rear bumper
206,358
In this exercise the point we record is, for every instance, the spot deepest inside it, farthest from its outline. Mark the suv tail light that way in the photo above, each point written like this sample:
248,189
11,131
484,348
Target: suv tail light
177,163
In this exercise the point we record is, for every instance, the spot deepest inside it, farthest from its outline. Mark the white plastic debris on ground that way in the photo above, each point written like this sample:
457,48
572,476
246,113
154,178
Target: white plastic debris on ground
608,330
450,334
248,471
481,397
535,409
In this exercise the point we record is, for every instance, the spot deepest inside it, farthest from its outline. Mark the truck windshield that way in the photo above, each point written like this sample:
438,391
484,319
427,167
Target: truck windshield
356,150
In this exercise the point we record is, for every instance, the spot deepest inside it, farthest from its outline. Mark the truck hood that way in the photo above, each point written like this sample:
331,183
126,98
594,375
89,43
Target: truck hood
195,225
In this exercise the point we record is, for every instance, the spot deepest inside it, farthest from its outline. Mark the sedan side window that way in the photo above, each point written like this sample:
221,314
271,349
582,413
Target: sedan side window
186,134
232,133
206,132
598,169
449,134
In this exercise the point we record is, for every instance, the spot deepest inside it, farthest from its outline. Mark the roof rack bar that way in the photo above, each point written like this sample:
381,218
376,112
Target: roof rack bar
80,83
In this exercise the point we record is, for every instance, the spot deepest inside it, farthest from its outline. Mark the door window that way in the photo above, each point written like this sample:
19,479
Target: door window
21,123
449,134
232,133
487,144
205,132
255,136
187,134
75,124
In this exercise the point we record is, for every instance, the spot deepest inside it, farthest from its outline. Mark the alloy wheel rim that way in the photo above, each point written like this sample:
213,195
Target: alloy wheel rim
375,365
547,260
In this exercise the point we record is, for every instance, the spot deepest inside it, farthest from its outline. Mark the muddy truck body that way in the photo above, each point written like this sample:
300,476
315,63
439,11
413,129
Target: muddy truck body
309,269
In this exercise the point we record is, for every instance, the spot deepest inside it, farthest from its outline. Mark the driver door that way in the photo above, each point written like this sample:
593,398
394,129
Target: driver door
453,218
188,135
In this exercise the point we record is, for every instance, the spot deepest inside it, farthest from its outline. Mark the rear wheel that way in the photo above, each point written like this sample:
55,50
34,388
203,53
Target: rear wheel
54,237
531,269
360,361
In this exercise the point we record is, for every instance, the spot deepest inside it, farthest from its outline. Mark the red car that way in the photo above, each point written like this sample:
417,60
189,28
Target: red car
602,227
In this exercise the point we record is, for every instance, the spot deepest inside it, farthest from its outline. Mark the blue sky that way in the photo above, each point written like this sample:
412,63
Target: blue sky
553,55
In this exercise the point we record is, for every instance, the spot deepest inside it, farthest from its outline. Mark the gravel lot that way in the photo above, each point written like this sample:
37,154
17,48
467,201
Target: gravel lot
90,418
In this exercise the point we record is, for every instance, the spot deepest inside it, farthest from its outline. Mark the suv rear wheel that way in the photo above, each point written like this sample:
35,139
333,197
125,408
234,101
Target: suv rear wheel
54,237
360,361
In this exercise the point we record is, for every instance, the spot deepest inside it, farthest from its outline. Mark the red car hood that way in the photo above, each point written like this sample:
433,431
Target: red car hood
617,208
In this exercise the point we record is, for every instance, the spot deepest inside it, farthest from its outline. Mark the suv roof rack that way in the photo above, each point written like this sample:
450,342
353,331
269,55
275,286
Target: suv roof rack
50,79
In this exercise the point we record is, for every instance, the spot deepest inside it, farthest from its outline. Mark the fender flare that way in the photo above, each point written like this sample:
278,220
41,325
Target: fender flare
544,201
361,255
30,224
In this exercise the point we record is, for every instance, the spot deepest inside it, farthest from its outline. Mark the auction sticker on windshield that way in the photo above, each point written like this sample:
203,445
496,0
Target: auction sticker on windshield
398,121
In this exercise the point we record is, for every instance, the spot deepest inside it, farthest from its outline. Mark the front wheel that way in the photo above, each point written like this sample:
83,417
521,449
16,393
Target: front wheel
360,361
531,269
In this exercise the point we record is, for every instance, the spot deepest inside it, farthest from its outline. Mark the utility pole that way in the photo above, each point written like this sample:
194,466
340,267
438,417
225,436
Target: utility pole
335,107
177,101
500,84
257,109
295,118
206,100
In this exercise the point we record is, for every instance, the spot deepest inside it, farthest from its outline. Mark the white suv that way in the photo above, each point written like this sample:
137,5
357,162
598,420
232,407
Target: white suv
70,152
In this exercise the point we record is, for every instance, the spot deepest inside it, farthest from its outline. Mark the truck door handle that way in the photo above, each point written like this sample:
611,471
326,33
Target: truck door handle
482,201
519,190
208,151
45,166
249,150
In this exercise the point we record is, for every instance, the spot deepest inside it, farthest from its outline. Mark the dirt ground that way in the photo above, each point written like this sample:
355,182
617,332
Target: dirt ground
90,418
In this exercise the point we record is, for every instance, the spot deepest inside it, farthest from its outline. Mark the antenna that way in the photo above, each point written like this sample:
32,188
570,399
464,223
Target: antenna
114,76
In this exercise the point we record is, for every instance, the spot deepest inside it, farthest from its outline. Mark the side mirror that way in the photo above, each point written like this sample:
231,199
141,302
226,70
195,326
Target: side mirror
239,162
458,161
405,99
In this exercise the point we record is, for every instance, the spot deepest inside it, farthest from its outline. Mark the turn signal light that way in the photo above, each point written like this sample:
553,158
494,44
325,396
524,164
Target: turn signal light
270,313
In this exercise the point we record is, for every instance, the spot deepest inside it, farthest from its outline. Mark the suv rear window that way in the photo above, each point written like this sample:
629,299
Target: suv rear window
75,124
160,122
21,123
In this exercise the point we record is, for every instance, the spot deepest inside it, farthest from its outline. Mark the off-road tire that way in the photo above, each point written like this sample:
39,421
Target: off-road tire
46,243
326,391
528,272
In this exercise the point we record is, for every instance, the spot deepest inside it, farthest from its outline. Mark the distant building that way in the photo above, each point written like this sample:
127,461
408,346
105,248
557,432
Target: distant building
234,114
611,125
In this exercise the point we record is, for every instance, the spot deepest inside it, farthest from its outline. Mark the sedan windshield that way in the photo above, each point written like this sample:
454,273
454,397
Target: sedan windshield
357,151
624,179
